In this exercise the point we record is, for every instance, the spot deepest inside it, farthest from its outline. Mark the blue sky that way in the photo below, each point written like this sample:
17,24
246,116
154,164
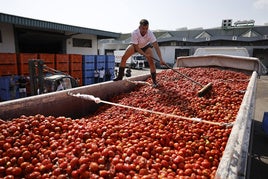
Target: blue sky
124,15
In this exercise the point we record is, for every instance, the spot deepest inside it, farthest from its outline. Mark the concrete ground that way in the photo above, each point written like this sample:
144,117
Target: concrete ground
136,72
258,156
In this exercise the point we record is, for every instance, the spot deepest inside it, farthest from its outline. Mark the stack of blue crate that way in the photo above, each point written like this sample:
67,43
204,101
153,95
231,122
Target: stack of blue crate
5,93
109,66
88,67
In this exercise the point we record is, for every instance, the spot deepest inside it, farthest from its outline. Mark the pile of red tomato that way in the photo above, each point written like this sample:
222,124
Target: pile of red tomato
116,142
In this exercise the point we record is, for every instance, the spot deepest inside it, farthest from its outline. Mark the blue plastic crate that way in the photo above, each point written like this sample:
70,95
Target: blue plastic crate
5,88
88,80
265,122
110,58
100,59
4,82
100,65
110,65
4,95
88,66
89,58
1,83
88,73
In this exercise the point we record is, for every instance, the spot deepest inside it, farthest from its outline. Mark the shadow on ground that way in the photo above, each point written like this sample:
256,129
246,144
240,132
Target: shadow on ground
259,152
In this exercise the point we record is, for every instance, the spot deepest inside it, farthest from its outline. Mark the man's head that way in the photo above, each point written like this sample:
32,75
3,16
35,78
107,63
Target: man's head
144,22
144,26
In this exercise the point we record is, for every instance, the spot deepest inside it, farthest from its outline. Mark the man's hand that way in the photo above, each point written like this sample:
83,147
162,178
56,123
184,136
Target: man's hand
162,62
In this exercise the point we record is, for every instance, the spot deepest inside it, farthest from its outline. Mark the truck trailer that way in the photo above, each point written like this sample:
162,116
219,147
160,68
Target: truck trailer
89,110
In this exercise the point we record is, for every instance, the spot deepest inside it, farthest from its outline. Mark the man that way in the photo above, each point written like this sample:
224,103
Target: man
142,41
22,86
12,87
96,76
101,74
108,75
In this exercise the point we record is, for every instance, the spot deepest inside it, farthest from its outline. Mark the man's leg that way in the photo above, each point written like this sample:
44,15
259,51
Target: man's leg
153,75
129,51
152,66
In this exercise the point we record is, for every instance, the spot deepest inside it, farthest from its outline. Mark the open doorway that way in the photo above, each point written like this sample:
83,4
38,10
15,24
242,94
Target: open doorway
36,41
181,52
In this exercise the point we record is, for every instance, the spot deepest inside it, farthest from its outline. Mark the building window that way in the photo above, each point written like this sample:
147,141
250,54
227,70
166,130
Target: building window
82,42
173,44
234,37
0,36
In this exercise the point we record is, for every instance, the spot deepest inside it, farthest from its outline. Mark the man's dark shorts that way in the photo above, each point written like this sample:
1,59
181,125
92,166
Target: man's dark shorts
146,47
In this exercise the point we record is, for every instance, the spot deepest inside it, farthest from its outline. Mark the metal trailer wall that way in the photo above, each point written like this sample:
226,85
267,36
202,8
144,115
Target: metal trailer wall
234,161
61,104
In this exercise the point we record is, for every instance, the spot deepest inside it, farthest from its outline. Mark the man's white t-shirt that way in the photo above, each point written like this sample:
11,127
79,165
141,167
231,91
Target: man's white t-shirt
102,73
96,74
142,41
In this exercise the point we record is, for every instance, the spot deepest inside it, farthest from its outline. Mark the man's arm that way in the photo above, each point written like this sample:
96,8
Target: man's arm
157,49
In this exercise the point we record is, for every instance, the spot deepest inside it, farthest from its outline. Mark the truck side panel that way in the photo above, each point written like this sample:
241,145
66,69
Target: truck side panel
61,104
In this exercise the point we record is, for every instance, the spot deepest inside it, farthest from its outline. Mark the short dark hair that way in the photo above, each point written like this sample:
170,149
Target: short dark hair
144,22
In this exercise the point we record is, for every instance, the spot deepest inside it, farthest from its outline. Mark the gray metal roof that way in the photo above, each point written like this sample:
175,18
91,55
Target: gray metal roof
215,34
28,22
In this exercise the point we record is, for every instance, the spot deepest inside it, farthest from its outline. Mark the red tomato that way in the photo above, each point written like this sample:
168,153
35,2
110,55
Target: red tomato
94,166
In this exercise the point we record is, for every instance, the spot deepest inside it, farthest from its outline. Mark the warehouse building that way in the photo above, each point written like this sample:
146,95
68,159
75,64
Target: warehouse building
25,35
184,42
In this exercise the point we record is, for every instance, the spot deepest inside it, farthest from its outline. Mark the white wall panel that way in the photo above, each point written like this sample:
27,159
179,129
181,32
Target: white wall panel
8,43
